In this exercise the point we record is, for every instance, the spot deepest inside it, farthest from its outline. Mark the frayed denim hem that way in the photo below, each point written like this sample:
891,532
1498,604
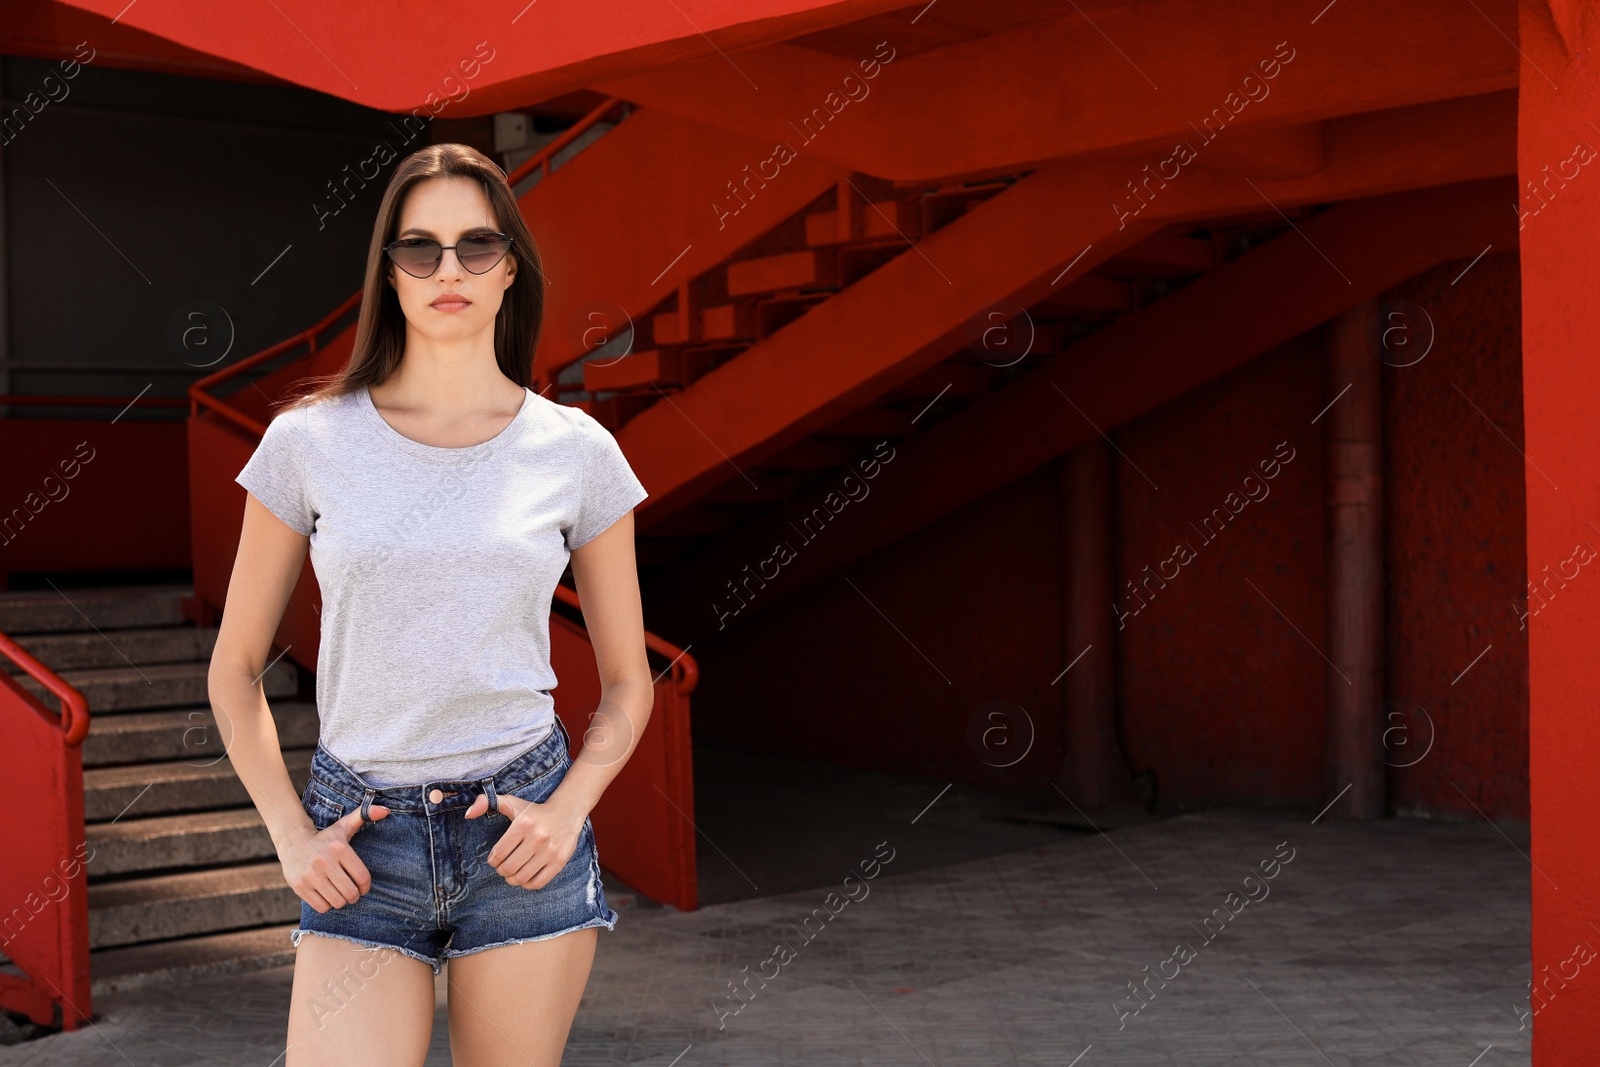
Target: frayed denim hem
437,965
598,920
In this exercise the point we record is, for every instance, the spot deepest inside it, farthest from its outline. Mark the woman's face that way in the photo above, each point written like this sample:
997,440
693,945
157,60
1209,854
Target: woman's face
447,209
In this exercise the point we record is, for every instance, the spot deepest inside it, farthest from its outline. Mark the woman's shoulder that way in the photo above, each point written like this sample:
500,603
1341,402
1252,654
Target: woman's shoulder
315,426
318,412
569,418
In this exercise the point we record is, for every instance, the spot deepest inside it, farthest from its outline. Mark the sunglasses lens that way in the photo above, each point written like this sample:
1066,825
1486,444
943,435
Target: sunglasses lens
480,254
417,256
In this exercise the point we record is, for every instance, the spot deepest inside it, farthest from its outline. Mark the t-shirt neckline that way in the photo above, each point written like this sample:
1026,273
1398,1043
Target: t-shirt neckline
436,453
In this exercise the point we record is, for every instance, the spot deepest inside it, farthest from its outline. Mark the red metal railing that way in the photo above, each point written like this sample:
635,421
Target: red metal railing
685,672
44,925
92,401
199,398
644,822
545,157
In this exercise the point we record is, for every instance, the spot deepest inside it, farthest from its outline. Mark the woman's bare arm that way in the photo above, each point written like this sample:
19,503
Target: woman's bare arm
608,588
268,564
542,837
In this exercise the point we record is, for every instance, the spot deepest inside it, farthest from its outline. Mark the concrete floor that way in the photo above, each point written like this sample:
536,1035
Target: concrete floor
986,942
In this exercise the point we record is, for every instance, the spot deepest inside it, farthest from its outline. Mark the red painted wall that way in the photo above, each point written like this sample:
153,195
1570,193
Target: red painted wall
884,665
93,495
1457,548
1219,694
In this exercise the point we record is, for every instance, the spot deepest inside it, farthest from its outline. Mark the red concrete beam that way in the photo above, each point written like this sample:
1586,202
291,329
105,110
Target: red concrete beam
406,53
1011,100
58,33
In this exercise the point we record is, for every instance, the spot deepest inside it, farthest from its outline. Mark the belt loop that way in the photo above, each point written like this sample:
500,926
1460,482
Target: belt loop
565,737
488,791
366,805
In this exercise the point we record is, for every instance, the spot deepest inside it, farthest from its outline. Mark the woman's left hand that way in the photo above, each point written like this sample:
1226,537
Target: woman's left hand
539,842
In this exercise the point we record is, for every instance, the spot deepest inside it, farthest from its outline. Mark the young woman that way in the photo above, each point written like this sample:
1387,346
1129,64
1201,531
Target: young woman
441,499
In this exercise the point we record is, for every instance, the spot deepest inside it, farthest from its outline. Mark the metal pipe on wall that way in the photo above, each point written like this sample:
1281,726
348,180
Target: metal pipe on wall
1086,772
1354,563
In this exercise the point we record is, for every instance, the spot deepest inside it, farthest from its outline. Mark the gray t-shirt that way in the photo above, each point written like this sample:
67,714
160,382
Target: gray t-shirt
437,568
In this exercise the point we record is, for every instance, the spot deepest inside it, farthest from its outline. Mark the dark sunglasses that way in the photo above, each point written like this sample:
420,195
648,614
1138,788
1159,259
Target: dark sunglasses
421,256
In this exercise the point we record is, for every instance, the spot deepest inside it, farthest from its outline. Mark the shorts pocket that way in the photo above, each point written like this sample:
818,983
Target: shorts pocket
538,791
323,806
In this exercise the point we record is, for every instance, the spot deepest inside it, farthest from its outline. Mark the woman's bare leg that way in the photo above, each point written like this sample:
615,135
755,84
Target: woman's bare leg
515,1004
356,1006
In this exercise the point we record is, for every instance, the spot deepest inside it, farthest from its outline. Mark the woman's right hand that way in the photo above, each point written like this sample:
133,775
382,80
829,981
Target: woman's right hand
322,868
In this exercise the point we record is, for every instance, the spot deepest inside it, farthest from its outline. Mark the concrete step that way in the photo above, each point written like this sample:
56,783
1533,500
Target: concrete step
161,685
112,608
154,644
166,906
119,970
145,789
184,734
165,842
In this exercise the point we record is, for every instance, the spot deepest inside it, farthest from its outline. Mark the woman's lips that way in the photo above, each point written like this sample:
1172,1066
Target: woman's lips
450,305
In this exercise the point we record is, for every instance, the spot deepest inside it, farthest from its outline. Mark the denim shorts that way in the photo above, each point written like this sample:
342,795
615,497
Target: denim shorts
434,895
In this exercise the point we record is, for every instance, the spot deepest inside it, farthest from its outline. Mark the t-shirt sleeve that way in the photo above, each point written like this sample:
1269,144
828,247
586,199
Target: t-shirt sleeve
275,475
609,489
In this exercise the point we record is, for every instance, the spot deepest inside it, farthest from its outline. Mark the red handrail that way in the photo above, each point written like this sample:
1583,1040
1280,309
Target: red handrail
74,717
42,847
93,401
199,398
685,672
542,158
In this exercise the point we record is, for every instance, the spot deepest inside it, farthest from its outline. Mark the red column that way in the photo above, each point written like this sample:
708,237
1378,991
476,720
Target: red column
1558,168
1091,728
1353,425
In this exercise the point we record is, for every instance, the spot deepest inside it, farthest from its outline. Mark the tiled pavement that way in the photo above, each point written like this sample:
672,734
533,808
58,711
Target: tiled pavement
1403,942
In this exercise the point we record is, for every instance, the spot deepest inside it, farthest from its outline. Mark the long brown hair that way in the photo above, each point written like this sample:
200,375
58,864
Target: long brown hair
381,328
